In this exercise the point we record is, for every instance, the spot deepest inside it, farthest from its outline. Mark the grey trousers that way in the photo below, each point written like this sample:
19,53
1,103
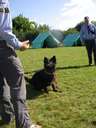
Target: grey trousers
6,107
12,88
91,48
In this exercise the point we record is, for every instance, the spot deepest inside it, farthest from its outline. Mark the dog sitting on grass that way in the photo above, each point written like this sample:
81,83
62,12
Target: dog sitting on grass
45,77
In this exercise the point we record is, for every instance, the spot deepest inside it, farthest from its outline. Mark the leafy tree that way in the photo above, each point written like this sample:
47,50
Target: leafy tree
43,28
22,24
25,29
94,22
70,31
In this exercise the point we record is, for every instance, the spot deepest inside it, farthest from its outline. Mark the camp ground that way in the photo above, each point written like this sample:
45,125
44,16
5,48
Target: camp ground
45,40
72,40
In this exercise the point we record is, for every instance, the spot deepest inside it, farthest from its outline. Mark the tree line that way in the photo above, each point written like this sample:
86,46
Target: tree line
26,29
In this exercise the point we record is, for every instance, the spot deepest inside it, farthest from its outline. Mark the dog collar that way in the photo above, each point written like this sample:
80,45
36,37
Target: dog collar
48,73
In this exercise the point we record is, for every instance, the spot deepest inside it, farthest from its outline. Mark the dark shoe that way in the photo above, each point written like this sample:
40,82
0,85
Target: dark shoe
90,64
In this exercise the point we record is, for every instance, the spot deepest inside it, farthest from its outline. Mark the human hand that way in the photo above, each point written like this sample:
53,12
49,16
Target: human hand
24,45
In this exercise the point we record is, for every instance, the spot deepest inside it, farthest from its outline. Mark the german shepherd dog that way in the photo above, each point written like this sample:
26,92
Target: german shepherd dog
46,76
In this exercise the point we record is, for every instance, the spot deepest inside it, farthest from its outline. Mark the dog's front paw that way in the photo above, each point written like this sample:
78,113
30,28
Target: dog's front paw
55,90
46,90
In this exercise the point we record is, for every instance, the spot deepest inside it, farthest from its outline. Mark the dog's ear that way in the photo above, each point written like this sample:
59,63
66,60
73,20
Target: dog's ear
45,60
53,59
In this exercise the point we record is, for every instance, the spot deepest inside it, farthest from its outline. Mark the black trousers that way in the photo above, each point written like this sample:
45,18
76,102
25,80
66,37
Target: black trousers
91,48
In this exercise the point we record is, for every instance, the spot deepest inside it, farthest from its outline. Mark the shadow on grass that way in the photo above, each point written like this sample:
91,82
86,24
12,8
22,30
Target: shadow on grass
2,123
73,67
93,123
63,68
32,93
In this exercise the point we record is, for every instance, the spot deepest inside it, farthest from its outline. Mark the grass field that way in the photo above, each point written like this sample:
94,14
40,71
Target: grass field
75,107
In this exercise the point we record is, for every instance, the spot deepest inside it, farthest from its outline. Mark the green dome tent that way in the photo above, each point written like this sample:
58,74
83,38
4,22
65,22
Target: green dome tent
72,40
45,39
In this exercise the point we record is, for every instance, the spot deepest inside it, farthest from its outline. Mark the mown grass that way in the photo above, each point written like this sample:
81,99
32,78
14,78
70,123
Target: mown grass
75,106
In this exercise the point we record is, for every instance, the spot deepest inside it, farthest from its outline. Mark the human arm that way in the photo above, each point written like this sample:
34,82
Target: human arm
12,40
6,29
95,30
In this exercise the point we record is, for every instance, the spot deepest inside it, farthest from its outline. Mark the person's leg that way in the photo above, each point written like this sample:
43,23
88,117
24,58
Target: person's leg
89,51
6,107
12,70
94,51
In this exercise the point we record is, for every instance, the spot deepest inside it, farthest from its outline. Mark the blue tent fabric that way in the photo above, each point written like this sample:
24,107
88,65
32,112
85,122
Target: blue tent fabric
45,37
71,39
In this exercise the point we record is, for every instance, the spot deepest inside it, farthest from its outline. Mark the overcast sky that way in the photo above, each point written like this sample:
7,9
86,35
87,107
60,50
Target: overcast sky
58,14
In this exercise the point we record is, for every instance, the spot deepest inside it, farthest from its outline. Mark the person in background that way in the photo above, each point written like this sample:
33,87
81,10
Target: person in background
12,82
88,36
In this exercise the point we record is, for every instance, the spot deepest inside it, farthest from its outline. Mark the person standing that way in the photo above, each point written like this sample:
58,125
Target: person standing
11,73
88,36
